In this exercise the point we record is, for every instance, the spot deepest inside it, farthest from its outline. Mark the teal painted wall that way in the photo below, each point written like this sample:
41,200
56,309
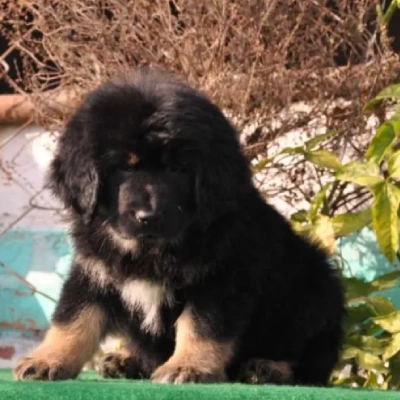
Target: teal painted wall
363,259
43,259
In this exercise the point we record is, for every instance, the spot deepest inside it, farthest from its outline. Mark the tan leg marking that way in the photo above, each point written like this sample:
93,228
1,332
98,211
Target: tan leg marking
65,349
195,359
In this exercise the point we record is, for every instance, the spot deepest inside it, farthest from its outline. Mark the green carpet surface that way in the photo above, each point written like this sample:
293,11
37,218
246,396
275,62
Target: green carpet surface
91,386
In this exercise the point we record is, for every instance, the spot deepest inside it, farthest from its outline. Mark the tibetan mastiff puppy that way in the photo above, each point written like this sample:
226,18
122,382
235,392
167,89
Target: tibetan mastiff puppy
177,252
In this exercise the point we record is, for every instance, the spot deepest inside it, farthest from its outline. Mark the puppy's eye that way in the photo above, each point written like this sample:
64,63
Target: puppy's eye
128,162
132,159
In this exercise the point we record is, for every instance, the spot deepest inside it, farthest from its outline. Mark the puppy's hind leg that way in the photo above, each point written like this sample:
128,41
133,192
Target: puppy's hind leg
319,358
260,371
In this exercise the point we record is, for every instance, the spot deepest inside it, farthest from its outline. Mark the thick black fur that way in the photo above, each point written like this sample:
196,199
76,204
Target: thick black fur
208,235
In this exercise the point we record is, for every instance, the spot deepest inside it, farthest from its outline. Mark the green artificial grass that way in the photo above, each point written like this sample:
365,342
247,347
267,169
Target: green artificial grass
92,386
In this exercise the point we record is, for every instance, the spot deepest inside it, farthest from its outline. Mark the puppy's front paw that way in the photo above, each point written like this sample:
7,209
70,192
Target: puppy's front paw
170,373
31,368
260,371
119,365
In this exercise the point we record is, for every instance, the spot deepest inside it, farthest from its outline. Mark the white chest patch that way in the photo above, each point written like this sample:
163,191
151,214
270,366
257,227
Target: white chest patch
147,297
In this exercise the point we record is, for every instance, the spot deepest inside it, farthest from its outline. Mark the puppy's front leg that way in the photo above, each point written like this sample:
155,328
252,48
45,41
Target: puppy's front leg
198,356
72,339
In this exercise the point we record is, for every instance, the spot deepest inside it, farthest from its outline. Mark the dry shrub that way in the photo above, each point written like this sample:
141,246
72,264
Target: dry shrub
249,55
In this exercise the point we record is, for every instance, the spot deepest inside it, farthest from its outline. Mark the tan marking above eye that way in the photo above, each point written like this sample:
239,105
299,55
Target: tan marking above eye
133,159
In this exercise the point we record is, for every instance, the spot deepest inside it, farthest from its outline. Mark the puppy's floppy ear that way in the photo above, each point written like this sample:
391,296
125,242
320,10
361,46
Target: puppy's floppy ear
73,176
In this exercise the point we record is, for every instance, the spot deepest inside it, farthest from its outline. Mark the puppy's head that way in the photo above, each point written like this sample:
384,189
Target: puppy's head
149,156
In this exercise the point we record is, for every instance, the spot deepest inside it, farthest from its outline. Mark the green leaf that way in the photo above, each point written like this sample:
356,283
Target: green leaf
392,347
384,218
364,174
292,150
394,165
322,232
265,161
348,223
302,229
372,381
316,140
318,200
324,159
300,216
390,323
384,137
393,5
381,306
394,365
373,345
349,352
370,361
372,329
352,380
368,344
391,92
385,281
262,164
358,314
357,290
396,115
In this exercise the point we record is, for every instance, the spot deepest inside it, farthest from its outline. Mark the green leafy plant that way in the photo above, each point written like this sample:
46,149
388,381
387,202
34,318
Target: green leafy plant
372,348
379,173
371,354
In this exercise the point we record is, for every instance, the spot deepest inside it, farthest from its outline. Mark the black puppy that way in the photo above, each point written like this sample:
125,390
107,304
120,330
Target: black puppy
176,251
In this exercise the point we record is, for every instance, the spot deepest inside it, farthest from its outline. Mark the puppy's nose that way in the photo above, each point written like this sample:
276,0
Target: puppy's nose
146,216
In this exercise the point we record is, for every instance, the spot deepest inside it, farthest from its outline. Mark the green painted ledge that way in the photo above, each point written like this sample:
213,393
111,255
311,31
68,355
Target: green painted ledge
91,386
